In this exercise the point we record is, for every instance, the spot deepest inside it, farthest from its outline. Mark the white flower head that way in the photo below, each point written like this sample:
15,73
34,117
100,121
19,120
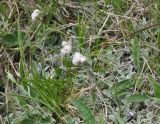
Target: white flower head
67,48
78,58
64,43
35,14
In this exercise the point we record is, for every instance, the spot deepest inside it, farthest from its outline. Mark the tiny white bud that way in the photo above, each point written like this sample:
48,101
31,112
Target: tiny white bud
35,14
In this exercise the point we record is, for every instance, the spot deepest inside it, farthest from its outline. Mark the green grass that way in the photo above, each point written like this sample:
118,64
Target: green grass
119,82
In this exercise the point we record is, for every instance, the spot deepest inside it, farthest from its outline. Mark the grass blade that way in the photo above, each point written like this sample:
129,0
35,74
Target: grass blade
136,53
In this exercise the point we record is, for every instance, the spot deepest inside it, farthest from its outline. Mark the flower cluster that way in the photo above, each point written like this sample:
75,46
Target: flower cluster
66,46
77,57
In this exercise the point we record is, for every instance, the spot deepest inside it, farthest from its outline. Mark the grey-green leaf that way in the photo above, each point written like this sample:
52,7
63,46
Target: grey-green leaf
156,86
70,120
138,97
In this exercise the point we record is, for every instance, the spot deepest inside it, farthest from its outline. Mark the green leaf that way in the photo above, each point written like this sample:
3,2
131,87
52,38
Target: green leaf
138,97
136,53
84,111
121,87
46,120
158,39
11,77
3,8
119,5
27,121
102,119
156,86
12,38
